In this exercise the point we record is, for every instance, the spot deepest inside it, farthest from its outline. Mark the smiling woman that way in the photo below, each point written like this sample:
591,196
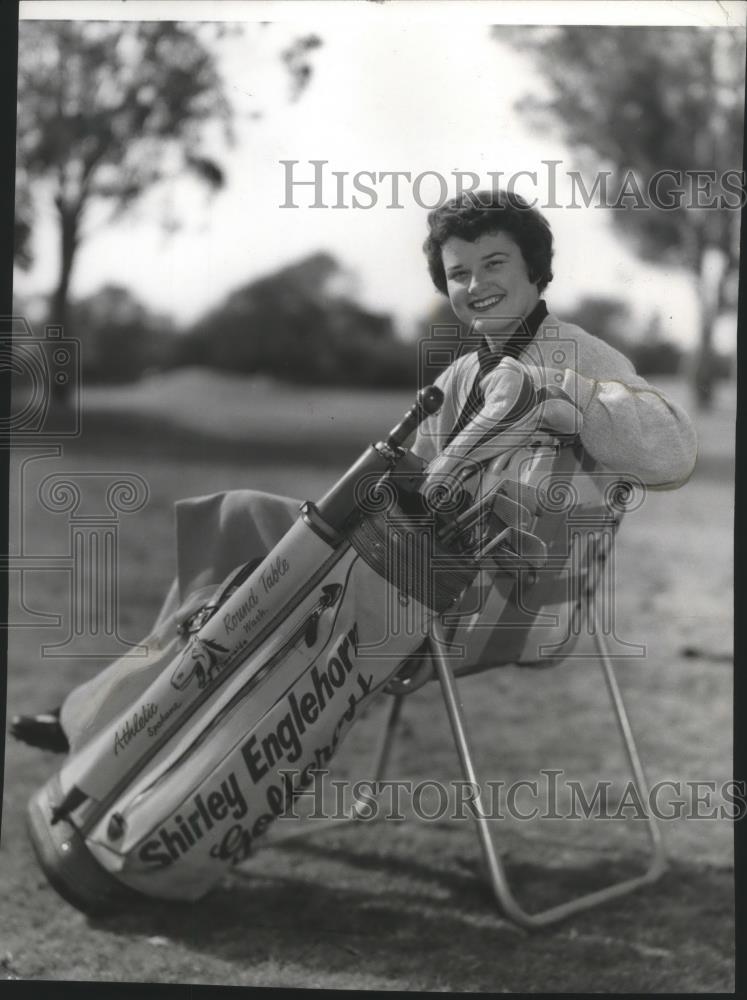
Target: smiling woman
491,253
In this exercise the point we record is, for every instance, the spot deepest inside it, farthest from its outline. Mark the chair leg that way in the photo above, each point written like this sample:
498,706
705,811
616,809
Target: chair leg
658,860
381,759
383,750
505,898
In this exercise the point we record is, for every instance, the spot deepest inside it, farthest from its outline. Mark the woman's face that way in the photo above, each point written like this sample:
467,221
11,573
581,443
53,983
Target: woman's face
488,282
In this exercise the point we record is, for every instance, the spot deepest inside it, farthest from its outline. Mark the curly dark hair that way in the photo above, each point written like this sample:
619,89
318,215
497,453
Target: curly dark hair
475,213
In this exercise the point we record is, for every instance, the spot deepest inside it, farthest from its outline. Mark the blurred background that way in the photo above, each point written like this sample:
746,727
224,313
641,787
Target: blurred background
150,182
227,342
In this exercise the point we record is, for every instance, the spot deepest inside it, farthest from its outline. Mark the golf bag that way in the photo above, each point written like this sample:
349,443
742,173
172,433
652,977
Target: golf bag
258,685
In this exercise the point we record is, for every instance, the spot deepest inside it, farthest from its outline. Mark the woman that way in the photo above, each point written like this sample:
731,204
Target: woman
491,254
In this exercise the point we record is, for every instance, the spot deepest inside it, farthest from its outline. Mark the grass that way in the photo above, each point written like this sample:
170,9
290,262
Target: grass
392,906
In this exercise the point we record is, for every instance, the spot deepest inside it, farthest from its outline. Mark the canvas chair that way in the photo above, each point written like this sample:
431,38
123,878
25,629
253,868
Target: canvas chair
577,511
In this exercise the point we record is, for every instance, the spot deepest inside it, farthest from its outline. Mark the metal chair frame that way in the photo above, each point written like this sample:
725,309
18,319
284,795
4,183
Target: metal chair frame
505,898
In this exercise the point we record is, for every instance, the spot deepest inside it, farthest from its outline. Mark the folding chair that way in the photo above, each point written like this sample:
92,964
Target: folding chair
578,510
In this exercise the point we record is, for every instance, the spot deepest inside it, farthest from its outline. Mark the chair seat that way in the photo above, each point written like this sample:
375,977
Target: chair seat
532,617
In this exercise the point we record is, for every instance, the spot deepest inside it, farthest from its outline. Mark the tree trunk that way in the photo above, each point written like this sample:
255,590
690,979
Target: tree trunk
61,387
705,373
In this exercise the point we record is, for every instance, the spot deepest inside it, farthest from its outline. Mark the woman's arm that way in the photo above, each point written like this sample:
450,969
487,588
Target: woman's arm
633,428
628,426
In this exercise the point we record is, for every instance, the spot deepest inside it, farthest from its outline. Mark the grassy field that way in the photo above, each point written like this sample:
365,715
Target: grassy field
398,905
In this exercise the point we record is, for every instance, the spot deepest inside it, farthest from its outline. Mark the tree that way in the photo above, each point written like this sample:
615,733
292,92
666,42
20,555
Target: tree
107,110
654,354
300,324
22,223
644,100
606,317
120,337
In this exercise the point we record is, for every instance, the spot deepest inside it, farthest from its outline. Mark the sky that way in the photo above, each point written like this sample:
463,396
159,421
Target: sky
401,95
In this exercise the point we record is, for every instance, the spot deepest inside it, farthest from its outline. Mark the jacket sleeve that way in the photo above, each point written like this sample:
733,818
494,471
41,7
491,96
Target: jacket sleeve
634,429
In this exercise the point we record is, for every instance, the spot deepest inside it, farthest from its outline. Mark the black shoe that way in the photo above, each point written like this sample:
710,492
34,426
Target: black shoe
43,731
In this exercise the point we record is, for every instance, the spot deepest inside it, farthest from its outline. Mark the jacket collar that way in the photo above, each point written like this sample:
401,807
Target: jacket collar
512,348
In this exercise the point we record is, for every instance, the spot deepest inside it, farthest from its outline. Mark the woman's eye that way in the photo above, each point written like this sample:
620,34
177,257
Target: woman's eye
494,263
458,275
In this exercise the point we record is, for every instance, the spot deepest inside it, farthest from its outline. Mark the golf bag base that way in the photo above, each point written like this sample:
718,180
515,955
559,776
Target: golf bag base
66,861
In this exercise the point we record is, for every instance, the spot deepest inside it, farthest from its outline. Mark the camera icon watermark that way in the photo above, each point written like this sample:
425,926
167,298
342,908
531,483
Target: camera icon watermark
45,378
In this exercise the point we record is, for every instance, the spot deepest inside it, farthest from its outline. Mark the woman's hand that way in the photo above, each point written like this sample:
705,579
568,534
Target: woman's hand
522,403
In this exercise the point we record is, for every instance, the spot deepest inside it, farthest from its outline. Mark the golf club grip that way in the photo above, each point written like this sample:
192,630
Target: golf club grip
428,401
